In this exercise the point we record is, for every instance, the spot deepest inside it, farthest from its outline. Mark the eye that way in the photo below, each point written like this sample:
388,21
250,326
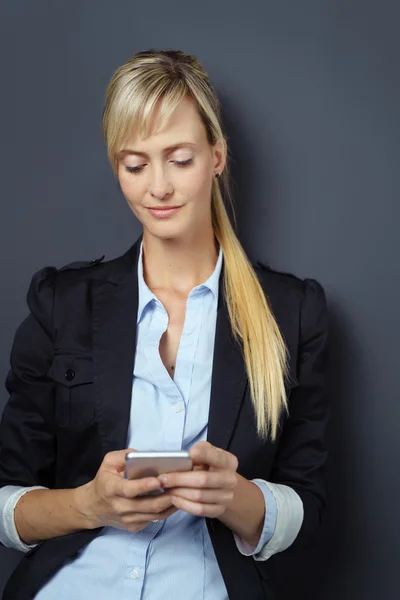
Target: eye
178,163
133,169
184,163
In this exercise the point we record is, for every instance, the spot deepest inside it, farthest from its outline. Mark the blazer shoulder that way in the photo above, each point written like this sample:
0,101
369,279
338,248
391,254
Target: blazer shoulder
279,280
41,290
276,284
82,264
113,270
77,270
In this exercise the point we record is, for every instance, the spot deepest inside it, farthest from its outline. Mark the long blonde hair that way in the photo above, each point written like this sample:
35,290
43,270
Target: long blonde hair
131,96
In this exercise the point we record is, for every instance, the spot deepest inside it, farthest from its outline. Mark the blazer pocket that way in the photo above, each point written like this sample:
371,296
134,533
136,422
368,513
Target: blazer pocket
74,390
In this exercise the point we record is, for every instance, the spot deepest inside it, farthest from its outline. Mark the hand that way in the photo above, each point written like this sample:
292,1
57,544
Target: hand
209,488
110,499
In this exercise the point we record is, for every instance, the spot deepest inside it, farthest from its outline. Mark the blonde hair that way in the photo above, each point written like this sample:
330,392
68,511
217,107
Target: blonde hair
131,96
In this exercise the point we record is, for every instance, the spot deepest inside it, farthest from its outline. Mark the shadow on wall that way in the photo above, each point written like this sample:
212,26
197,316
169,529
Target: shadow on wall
314,573
247,171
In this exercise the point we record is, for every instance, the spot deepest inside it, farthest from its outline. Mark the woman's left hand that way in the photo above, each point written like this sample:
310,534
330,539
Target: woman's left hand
209,488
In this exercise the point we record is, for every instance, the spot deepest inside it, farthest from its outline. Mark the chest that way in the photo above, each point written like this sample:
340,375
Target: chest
105,351
170,407
175,342
169,343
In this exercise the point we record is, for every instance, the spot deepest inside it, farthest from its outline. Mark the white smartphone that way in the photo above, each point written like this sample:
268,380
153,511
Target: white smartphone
152,464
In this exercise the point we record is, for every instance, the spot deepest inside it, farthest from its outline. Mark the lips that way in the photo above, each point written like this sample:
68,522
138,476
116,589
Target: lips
163,212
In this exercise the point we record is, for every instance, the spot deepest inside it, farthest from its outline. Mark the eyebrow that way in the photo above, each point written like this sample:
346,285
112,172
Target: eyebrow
128,151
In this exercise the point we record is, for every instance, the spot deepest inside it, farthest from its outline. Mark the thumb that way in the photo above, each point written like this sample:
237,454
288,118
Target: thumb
115,461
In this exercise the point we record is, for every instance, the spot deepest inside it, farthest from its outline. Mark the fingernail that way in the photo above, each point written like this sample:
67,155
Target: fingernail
163,479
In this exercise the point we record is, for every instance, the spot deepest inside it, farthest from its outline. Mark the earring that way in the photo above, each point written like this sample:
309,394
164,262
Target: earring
216,175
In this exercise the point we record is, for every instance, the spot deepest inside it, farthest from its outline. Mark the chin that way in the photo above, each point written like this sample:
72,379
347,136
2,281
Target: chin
166,231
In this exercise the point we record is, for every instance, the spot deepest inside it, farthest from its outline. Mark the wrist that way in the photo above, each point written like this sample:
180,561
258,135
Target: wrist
254,533
83,506
245,514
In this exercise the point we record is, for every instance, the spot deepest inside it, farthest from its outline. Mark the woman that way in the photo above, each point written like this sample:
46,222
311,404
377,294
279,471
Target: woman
180,343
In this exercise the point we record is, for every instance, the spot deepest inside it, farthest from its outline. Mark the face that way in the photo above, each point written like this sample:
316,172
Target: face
167,177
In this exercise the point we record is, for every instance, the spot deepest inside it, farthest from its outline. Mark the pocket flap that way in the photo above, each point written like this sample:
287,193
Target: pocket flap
71,370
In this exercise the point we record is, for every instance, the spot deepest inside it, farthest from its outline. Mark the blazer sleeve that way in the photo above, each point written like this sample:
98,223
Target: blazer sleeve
302,450
27,441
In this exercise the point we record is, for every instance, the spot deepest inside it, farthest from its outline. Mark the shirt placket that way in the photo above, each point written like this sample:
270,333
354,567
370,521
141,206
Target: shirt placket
188,344
174,426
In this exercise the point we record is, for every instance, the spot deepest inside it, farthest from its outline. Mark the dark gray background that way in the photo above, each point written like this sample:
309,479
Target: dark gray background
310,95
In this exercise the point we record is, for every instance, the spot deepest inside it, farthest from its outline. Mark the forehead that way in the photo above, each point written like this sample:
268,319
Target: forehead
183,125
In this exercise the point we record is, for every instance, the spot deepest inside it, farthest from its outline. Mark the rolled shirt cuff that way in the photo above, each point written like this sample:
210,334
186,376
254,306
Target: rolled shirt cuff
9,496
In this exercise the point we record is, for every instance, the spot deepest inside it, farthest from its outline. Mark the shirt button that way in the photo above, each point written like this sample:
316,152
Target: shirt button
179,407
135,573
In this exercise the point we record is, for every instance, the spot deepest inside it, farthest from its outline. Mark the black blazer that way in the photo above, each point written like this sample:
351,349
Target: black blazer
70,391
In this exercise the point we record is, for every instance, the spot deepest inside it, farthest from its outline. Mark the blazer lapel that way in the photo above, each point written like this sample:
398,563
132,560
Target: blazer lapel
229,379
115,305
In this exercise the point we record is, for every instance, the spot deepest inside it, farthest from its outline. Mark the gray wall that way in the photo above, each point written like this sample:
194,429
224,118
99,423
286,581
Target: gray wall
310,93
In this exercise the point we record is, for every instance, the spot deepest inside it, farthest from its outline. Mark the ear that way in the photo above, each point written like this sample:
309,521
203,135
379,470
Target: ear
219,155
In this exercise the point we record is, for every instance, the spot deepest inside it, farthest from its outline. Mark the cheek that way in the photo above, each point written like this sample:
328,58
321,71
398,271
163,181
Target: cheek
131,190
201,176
197,186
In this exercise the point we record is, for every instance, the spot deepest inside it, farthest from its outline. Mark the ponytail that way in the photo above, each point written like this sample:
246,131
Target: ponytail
253,324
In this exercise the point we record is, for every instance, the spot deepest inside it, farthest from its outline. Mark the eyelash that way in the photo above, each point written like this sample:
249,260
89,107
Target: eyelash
179,163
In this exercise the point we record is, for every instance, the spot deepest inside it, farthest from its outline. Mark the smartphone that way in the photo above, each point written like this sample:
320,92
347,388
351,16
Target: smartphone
152,464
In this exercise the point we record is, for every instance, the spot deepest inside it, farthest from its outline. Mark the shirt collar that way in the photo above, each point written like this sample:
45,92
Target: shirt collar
146,295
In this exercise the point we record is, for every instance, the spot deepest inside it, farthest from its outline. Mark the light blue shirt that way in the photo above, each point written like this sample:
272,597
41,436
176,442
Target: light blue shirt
173,558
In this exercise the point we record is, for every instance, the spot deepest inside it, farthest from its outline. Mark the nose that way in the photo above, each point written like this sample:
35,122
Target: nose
160,187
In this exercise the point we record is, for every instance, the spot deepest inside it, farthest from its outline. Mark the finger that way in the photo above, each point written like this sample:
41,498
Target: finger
153,504
142,507
205,453
201,468
197,508
123,506
166,513
145,518
204,496
131,488
200,479
138,525
115,461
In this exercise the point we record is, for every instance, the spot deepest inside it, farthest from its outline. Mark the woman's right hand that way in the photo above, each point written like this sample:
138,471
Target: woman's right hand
111,500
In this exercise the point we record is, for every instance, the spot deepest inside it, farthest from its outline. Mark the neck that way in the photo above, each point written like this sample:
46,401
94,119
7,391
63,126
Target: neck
178,265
